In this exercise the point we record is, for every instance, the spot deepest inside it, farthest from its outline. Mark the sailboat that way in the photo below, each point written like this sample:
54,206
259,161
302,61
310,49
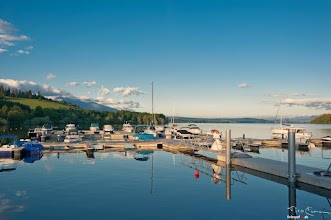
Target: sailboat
301,134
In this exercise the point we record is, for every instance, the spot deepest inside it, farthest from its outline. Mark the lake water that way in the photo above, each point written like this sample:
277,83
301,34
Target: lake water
154,185
116,185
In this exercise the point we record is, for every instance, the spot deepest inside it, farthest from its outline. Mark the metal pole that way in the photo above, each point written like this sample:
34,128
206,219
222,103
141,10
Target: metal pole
228,182
228,147
291,157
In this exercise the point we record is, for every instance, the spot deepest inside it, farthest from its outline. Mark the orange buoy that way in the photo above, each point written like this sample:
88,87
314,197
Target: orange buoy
11,129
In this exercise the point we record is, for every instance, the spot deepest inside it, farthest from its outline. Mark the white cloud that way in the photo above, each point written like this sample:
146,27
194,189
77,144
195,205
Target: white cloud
319,103
89,84
8,35
124,103
2,50
45,90
242,85
6,27
73,84
57,94
29,48
291,94
50,76
103,91
126,91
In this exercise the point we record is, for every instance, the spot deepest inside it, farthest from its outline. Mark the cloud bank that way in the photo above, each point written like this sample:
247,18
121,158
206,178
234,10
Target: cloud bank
25,85
126,91
56,94
319,103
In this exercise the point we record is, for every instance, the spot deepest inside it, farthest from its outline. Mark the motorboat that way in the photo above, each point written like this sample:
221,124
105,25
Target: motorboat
144,132
159,128
94,128
127,127
184,134
47,128
32,148
72,136
108,129
6,151
69,127
194,129
7,164
326,138
282,133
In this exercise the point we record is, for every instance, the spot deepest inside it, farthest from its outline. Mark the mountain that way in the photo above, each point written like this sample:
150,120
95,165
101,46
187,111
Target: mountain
87,104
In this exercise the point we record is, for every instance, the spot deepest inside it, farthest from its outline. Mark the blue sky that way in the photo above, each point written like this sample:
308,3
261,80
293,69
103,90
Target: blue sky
196,52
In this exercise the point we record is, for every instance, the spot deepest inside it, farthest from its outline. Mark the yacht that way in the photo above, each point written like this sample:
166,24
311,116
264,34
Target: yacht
108,129
69,127
47,128
72,136
194,129
94,128
282,132
127,127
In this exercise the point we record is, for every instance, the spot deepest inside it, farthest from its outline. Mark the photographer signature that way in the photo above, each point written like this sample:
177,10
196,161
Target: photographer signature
308,211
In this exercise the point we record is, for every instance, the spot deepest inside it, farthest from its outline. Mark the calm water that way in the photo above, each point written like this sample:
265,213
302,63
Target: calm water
69,186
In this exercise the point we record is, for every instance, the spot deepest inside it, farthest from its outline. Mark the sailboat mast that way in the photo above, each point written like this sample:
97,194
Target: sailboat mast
281,115
153,115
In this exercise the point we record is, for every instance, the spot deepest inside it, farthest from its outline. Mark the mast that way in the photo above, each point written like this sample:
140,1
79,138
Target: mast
281,115
153,115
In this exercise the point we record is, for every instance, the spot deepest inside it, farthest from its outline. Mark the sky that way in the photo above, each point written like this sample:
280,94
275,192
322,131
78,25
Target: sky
206,58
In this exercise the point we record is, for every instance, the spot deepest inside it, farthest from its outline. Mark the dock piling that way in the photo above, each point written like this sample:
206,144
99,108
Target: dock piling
291,157
228,147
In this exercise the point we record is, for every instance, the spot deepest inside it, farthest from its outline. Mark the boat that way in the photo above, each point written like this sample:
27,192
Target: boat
127,127
69,127
72,136
47,128
94,128
301,134
6,151
32,149
108,129
7,164
144,132
184,134
159,128
326,138
194,129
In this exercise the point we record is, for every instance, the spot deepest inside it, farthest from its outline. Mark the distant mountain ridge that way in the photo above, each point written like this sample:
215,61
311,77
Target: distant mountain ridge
87,104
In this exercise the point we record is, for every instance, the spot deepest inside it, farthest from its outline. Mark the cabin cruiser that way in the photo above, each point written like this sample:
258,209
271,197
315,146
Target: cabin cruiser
108,129
159,128
127,127
69,127
192,128
94,128
47,128
282,133
184,134
72,136
326,138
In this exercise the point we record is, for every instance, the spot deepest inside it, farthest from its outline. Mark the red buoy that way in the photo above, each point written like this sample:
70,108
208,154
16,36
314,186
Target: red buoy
196,173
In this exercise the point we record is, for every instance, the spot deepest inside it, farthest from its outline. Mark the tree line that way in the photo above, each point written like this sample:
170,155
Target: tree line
16,113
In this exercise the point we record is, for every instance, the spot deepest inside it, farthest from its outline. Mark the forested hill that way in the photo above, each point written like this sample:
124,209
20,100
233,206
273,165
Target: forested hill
323,119
18,107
